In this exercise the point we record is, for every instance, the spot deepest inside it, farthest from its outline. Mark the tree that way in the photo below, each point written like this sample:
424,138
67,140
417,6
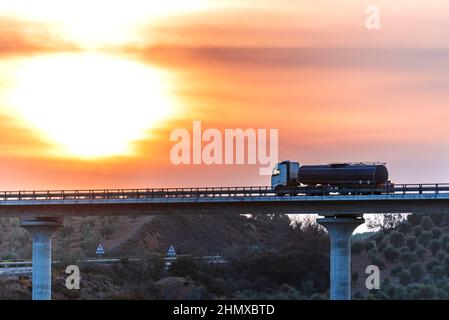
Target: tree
441,255
425,238
437,219
384,244
66,231
427,223
397,239
377,261
407,257
436,232
391,254
420,252
385,222
417,271
404,277
395,270
406,227
415,218
412,243
423,292
370,245
357,247
445,239
435,246
418,230
185,267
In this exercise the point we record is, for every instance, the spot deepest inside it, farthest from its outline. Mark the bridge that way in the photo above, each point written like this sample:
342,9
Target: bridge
42,213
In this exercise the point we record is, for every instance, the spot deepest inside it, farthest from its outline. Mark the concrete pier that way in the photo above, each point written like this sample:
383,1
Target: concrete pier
340,230
42,230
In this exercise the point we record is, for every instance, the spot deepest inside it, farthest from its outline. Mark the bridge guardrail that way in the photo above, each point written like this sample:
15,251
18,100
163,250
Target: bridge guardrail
251,191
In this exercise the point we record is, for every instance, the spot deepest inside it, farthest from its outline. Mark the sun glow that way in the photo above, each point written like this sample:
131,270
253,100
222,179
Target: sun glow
92,24
90,105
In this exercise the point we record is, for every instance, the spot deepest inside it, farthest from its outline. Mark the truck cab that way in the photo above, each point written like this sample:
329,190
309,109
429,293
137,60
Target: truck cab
285,174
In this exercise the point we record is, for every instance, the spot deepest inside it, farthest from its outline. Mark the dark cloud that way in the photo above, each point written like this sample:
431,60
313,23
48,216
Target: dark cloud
399,59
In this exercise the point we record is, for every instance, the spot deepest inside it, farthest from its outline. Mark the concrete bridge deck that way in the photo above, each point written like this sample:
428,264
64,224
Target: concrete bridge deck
429,198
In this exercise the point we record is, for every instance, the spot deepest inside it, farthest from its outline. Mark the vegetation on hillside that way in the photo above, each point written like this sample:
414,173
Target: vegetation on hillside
413,255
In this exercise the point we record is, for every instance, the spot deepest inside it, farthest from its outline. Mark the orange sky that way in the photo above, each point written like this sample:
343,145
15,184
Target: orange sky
113,80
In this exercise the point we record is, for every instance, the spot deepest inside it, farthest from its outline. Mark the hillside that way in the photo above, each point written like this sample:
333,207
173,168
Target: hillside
268,257
413,258
134,236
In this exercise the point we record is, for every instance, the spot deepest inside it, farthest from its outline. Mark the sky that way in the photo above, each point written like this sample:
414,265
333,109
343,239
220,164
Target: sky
90,92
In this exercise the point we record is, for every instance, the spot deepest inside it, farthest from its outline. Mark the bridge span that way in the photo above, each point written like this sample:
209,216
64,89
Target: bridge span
42,213
407,198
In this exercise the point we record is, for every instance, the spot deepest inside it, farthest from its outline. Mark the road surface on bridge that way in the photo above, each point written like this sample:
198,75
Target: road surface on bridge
406,198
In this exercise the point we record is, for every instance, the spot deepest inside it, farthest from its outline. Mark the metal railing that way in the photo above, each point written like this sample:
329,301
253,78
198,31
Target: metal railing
217,192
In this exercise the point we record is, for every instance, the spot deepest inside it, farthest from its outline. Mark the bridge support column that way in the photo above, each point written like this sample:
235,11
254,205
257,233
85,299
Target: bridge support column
42,230
340,231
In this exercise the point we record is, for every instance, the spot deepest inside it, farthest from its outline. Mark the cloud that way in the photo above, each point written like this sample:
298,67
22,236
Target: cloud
284,57
17,139
22,37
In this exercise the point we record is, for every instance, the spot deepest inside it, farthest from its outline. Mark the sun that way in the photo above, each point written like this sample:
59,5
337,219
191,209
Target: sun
90,105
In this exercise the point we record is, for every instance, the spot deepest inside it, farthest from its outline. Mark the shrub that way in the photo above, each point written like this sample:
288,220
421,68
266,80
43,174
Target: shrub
317,296
412,243
438,271
436,232
358,296
377,261
370,245
406,227
435,246
407,258
404,277
431,264
399,293
446,265
381,295
184,266
397,239
414,218
437,219
446,248
383,244
441,255
423,292
426,223
373,253
420,252
417,271
418,230
357,247
391,254
445,239
395,270
425,238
